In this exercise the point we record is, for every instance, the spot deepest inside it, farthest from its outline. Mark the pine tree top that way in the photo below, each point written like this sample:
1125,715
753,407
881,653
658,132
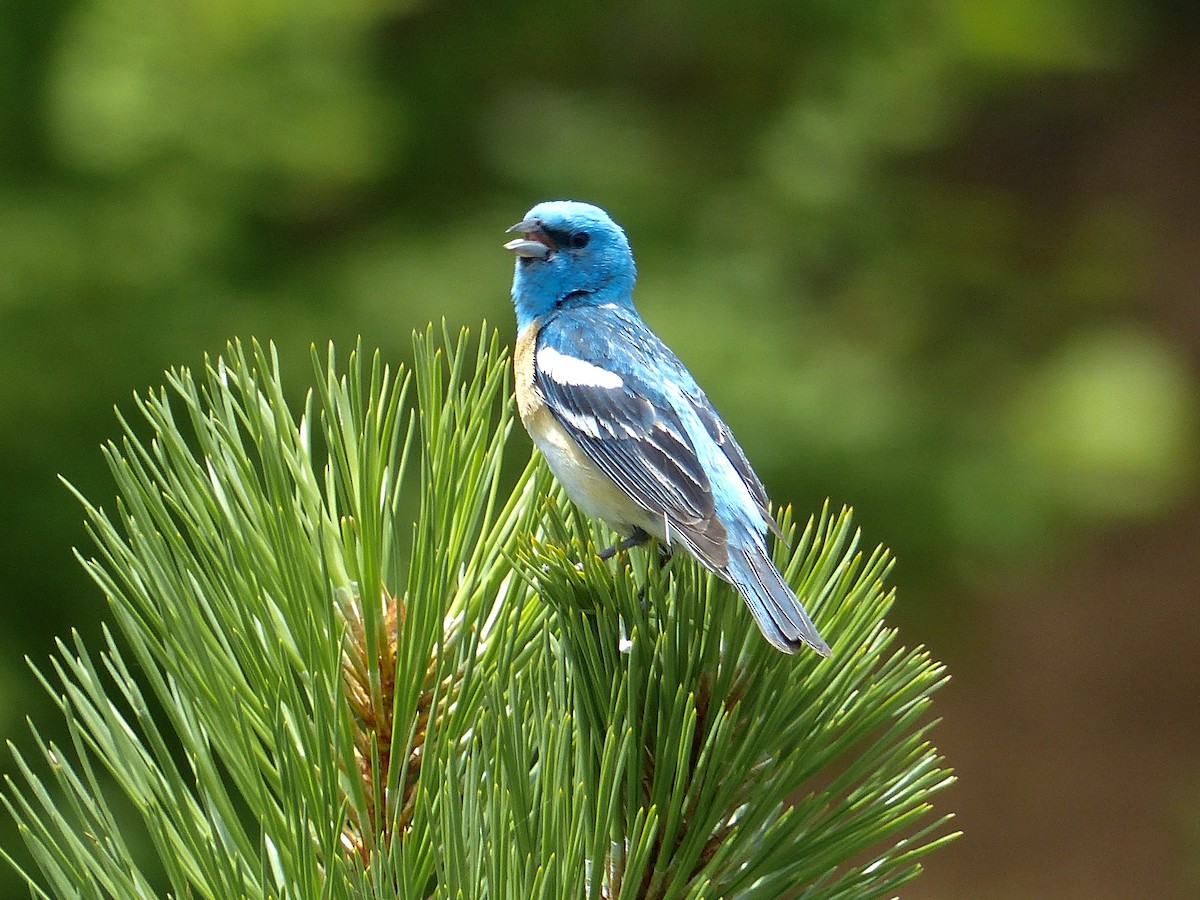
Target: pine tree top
352,657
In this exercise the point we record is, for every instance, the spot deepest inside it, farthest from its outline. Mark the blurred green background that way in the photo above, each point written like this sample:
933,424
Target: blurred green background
933,258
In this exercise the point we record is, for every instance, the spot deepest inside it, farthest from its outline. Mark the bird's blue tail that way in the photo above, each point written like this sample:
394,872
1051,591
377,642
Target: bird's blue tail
780,616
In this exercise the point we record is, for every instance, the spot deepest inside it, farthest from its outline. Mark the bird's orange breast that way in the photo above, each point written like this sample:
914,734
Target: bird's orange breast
529,397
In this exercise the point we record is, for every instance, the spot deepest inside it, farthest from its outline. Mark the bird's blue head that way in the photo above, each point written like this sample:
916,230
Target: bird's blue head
569,249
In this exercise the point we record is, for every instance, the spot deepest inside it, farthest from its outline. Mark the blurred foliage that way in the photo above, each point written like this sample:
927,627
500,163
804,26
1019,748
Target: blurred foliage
888,295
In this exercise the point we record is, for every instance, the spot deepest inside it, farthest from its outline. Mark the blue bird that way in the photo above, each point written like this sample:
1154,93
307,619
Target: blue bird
624,426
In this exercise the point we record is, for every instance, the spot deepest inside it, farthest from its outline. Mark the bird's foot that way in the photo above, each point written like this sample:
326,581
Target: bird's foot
637,537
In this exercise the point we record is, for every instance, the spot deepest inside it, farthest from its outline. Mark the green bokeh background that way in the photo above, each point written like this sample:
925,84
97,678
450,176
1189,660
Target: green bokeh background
932,258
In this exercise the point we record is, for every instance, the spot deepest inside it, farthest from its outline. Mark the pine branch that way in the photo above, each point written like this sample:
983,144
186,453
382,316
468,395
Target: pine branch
347,663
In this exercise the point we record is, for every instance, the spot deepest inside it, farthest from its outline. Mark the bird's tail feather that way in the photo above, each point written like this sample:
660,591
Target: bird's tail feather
780,616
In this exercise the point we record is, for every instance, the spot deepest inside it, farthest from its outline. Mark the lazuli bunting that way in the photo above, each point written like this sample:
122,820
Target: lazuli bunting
624,426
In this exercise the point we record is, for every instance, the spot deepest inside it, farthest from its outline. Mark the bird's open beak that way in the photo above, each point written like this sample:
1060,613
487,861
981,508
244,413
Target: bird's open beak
535,244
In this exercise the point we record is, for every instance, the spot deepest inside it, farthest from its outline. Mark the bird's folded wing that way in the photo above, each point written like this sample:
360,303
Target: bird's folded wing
641,445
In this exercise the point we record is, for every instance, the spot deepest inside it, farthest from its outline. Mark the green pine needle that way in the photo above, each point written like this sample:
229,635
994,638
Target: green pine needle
348,662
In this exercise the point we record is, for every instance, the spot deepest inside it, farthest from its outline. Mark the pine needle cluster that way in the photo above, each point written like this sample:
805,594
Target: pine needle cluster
348,661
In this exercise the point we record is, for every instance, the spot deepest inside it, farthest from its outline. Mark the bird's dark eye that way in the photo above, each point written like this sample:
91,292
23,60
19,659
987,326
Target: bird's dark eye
580,239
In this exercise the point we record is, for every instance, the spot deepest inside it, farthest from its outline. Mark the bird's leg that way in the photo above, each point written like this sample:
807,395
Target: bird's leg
636,537
663,556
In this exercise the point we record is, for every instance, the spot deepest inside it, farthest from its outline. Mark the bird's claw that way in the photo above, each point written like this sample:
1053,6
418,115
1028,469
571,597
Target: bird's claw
637,537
